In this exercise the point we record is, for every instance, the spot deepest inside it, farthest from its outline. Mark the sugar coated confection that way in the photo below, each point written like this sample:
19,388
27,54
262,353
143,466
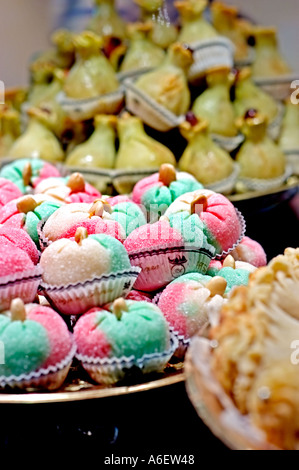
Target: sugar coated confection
38,347
19,238
186,302
255,358
8,191
211,212
70,189
236,273
251,252
86,272
127,336
161,252
96,218
158,191
28,172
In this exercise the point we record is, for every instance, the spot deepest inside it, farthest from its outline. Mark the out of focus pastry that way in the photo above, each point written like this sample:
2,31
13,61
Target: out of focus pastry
225,18
254,360
99,150
214,104
268,61
194,26
289,137
168,84
92,74
203,158
249,96
10,122
259,156
38,140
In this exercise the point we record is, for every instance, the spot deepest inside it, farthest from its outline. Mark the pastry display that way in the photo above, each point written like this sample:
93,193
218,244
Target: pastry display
119,243
128,333
268,61
214,104
38,347
158,191
142,54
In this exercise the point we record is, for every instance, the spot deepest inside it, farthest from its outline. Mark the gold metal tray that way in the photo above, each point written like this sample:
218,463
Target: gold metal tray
78,387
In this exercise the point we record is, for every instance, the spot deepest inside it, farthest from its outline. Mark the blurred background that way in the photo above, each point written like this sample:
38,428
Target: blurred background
25,27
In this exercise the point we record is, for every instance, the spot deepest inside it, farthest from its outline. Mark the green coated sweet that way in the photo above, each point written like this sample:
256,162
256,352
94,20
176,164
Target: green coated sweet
234,277
129,216
197,277
119,258
26,346
140,330
14,171
42,211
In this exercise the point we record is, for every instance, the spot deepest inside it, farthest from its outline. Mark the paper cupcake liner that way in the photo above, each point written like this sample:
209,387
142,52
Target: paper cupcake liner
79,110
256,184
152,113
183,343
163,265
225,186
44,242
292,157
210,53
278,87
214,406
22,284
243,231
274,126
228,143
111,370
77,298
247,60
50,378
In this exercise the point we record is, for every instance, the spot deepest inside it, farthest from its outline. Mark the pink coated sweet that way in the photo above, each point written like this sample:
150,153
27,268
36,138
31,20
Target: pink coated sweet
90,340
153,236
139,296
58,334
13,260
47,171
11,236
8,191
251,252
143,185
215,264
170,298
89,195
222,221
96,225
113,201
